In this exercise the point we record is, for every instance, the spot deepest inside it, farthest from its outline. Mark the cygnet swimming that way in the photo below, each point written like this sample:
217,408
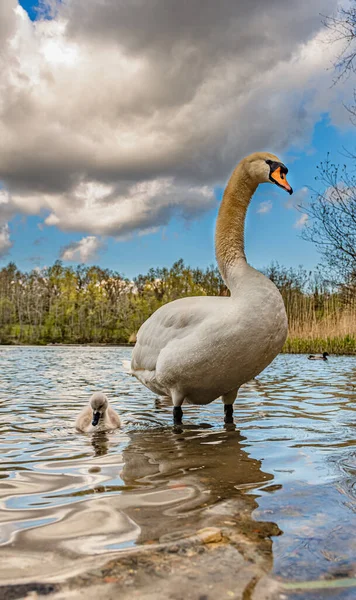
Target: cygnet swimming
98,415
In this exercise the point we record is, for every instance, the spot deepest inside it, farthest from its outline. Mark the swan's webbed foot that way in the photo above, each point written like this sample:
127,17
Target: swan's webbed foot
177,415
229,411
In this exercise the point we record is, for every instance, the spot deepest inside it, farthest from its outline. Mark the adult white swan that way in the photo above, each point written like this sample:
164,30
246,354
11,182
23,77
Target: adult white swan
200,348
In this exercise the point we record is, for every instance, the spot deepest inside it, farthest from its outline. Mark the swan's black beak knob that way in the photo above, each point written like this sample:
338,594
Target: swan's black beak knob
96,417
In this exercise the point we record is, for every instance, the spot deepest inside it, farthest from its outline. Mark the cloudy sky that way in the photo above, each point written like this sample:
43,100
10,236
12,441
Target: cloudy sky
120,123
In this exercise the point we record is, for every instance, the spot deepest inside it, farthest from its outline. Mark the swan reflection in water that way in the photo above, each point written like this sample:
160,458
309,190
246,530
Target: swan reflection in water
187,481
100,443
163,487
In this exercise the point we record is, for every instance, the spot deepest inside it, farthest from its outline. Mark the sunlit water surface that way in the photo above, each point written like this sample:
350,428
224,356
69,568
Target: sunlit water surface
65,496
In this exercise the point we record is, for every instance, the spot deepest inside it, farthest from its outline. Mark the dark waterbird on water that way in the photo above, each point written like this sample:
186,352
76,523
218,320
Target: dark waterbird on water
318,356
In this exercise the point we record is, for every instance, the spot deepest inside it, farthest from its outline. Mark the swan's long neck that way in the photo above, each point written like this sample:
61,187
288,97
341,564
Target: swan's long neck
230,226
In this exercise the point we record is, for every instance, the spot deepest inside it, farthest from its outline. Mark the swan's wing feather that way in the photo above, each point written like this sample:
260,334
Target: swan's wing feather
114,417
84,419
170,323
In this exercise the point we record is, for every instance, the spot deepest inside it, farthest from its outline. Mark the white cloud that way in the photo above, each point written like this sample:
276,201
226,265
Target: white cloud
264,207
303,219
114,118
5,242
342,192
6,212
117,210
82,251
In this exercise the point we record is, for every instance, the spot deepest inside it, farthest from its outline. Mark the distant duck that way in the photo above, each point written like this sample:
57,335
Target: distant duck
318,356
98,415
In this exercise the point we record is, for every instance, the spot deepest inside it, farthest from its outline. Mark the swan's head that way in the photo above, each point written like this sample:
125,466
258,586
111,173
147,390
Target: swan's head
99,404
263,167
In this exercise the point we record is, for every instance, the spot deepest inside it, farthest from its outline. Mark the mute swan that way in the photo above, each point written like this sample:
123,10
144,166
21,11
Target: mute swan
200,348
318,356
98,415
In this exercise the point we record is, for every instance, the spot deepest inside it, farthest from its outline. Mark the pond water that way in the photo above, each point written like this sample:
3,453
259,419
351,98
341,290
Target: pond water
65,496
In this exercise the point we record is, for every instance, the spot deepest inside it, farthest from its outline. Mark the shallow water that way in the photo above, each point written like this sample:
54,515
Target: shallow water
65,496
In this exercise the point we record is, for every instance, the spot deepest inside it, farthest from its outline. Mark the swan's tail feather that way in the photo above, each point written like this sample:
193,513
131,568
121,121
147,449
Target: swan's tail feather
127,366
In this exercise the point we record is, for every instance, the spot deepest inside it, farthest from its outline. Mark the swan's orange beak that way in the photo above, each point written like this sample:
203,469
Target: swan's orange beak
280,179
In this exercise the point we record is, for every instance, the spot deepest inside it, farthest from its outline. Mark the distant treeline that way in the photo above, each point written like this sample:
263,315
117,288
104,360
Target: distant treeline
93,305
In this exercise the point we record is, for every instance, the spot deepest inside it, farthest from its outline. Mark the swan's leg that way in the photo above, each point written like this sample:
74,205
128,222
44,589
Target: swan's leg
177,400
228,400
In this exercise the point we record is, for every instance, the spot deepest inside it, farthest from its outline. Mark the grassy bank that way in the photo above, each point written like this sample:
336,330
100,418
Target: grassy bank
334,331
294,345
89,305
333,345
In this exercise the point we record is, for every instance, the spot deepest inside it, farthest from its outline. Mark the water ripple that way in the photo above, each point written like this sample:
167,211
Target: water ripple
65,496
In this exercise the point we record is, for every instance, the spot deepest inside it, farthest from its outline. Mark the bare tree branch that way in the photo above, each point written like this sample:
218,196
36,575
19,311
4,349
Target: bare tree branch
332,220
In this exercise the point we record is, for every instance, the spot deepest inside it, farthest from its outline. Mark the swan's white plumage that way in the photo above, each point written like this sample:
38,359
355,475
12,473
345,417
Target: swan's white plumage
126,364
199,348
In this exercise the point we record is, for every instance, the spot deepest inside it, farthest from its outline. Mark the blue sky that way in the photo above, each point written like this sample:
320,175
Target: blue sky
270,236
30,7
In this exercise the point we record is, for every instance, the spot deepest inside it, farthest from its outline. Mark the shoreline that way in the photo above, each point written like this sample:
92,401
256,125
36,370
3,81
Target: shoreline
66,344
310,350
